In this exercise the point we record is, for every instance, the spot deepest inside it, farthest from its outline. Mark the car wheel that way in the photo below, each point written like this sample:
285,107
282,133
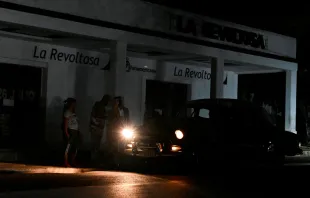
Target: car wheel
280,158
117,161
197,160
276,159
202,162
195,165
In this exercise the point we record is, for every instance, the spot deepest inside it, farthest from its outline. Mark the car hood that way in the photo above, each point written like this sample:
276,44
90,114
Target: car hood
160,127
201,130
166,127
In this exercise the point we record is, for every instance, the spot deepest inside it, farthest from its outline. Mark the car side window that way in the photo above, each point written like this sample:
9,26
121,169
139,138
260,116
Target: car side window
204,113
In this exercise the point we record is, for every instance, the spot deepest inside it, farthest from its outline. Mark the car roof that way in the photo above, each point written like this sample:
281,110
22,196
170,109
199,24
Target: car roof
209,103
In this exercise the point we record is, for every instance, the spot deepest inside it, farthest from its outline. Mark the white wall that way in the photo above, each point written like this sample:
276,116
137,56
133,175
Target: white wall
200,88
65,79
87,83
133,85
176,72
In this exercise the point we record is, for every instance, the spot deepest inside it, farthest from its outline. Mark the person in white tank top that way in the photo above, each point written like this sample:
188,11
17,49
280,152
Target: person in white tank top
71,132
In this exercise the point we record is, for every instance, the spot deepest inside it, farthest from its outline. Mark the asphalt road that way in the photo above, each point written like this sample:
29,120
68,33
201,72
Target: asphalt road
289,181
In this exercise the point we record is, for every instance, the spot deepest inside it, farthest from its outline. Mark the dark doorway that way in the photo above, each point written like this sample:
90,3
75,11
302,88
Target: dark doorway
164,98
20,88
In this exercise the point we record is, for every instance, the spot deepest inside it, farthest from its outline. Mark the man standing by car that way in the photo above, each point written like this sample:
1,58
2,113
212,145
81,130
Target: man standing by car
123,111
270,110
98,121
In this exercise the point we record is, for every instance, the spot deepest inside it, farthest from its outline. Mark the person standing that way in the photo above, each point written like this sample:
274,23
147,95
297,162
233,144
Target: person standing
252,97
113,121
270,110
123,111
71,131
98,122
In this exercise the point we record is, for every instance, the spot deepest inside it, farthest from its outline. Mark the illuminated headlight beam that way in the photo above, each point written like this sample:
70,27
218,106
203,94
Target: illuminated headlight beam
127,133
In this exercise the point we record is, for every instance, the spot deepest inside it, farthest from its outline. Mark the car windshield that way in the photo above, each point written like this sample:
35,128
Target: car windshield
195,112
249,114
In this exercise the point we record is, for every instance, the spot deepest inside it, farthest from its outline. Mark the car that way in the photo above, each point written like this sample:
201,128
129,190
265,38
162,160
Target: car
234,130
212,130
147,143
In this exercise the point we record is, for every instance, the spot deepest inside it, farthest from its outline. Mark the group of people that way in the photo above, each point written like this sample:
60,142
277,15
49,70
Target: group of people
108,116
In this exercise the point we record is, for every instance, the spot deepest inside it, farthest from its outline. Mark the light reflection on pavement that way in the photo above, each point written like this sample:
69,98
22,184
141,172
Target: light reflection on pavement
118,191
105,184
250,183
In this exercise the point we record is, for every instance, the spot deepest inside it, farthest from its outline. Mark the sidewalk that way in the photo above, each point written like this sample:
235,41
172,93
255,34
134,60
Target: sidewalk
23,168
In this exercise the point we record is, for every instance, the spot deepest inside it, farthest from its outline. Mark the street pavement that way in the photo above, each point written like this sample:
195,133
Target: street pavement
224,181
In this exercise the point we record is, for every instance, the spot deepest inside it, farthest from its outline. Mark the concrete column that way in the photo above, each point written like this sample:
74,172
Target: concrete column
290,101
118,54
160,70
217,77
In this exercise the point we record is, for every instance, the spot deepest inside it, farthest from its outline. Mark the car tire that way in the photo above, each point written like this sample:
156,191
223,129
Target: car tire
198,161
280,158
118,162
276,159
203,163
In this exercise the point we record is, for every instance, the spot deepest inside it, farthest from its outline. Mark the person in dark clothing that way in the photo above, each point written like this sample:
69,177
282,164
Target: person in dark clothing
117,120
267,105
123,111
98,122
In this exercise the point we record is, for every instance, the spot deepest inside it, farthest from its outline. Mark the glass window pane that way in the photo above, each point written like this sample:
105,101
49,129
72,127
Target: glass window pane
204,113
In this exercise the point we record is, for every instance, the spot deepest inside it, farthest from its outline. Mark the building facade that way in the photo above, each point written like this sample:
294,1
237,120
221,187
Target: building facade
85,49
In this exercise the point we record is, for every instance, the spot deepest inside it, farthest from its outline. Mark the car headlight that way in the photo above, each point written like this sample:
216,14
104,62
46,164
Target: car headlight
179,134
128,133
176,148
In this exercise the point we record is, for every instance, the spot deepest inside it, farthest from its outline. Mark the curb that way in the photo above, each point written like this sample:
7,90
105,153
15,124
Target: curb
8,167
